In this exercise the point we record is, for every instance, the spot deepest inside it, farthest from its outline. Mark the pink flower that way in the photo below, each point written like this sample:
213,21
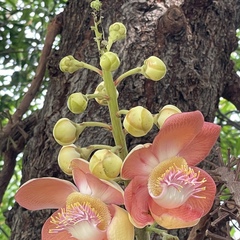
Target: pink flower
165,185
85,212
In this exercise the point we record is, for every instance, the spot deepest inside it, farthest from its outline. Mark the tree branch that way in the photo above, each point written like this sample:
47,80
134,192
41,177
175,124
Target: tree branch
54,28
15,130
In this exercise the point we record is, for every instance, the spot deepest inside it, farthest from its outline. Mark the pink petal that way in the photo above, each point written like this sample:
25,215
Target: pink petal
136,202
201,145
81,164
63,235
209,194
182,217
139,162
177,132
44,193
120,227
89,184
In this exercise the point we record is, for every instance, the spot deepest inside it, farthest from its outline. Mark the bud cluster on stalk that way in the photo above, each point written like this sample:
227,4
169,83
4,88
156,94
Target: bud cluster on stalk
138,121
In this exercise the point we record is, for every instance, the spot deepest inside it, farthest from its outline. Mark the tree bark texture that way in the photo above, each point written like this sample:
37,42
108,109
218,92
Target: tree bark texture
194,40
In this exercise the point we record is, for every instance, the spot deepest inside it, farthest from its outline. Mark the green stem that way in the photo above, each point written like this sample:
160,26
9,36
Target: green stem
87,151
126,74
117,129
161,232
142,234
95,124
93,68
96,95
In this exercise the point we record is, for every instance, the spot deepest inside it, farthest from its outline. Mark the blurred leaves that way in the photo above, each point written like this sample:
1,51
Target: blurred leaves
23,25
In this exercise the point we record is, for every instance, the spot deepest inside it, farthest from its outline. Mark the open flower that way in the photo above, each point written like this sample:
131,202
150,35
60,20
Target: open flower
165,185
86,211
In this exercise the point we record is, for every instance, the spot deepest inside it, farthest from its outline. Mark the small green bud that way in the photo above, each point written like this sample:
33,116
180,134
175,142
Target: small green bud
117,31
101,89
65,157
77,103
109,61
105,164
70,64
154,68
96,5
65,132
138,121
165,113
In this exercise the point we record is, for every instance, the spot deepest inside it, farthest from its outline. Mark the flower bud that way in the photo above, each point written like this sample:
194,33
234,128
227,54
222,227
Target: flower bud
65,132
65,157
154,68
101,89
105,164
70,64
165,113
138,121
77,103
117,31
96,5
109,61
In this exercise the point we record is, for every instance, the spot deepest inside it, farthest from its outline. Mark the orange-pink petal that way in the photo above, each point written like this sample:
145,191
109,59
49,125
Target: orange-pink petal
139,162
44,193
201,145
87,183
63,235
177,132
181,217
136,202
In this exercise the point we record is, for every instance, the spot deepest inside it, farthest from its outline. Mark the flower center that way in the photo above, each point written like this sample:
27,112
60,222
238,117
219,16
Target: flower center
85,217
172,182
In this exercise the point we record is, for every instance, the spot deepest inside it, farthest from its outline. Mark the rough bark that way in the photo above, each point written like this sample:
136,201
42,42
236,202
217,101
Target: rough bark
195,41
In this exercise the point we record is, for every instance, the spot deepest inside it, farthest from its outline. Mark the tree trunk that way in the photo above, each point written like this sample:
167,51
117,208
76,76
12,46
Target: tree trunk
194,40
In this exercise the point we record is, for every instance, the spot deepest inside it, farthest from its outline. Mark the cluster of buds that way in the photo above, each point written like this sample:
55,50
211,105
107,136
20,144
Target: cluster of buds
138,120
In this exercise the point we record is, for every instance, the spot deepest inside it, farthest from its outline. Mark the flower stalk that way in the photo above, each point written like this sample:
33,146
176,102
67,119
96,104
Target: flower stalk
117,131
127,74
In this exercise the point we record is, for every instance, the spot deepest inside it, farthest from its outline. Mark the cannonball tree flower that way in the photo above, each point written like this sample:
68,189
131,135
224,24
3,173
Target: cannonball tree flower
87,211
165,185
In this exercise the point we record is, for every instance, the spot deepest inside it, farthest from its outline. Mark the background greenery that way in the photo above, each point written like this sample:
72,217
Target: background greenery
23,26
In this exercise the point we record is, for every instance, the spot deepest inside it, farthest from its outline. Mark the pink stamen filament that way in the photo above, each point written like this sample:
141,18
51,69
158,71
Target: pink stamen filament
74,214
183,177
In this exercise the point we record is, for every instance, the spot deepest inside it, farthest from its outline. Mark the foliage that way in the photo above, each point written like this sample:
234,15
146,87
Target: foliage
23,25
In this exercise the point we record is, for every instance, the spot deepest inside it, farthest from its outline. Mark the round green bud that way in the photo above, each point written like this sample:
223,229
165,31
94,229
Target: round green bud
77,103
165,113
138,121
70,64
154,68
65,132
117,31
109,61
65,157
96,5
105,164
